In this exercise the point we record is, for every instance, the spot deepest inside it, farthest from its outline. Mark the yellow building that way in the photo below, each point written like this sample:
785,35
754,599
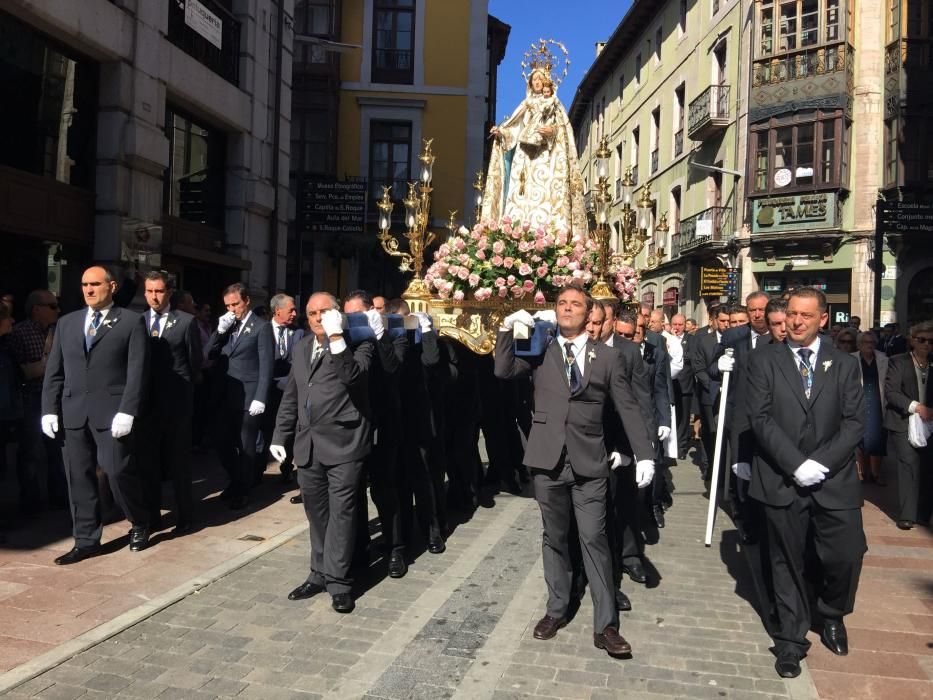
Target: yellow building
372,79
664,91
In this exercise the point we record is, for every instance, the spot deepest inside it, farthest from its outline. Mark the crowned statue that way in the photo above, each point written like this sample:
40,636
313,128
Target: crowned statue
533,173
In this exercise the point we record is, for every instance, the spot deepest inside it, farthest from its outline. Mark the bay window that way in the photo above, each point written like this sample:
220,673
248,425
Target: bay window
785,26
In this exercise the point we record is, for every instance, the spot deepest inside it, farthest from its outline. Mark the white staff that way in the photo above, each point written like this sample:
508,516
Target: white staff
724,392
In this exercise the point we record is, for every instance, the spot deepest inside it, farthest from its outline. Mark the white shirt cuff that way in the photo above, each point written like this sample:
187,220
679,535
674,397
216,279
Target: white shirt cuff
913,407
337,346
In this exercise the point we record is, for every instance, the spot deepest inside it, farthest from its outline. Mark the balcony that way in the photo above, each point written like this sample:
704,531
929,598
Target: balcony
679,143
709,113
802,64
220,52
710,226
654,161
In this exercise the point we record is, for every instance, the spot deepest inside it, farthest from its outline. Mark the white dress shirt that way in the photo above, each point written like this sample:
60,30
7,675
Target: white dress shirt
89,318
579,351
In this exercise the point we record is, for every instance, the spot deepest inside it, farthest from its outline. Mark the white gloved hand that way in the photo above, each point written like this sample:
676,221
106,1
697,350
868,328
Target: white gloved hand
615,460
332,321
122,425
225,322
256,408
424,321
374,319
281,383
644,472
743,470
50,425
520,316
726,363
548,315
810,473
278,453
664,432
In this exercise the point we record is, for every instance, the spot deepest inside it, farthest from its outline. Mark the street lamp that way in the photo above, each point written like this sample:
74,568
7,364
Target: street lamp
600,234
660,230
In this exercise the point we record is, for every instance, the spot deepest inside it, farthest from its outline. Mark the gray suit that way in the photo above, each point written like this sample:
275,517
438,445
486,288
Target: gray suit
325,406
567,451
88,387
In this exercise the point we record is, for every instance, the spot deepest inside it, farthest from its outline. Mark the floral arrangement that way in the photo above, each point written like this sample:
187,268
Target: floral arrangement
512,259
624,281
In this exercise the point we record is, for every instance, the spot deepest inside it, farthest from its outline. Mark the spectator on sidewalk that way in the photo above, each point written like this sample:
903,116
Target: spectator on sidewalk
873,366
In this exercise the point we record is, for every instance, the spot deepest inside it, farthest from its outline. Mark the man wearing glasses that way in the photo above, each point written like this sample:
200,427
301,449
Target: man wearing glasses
907,391
30,343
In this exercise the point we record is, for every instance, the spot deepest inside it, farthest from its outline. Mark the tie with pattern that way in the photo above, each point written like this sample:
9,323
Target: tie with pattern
573,374
92,330
806,372
283,346
154,328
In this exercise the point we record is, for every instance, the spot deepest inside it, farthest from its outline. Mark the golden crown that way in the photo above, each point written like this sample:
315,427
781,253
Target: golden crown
541,57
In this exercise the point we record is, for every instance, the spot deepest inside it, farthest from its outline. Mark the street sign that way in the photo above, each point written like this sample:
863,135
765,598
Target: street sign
332,206
719,281
903,217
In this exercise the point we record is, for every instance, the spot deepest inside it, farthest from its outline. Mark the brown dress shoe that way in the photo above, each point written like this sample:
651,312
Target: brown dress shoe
613,642
547,627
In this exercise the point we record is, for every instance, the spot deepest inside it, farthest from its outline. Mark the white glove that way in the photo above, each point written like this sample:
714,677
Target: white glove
810,473
278,453
548,315
644,472
521,316
122,425
332,321
743,470
50,425
281,383
225,322
424,321
615,460
726,363
256,408
374,319
663,432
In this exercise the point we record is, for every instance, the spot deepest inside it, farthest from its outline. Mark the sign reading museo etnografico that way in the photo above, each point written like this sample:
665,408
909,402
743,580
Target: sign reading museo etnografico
204,22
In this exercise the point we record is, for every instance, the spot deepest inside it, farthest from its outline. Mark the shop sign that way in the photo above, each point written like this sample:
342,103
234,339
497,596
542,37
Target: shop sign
204,22
802,212
671,295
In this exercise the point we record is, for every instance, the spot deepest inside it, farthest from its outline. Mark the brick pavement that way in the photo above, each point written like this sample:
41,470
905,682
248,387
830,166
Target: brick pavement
459,625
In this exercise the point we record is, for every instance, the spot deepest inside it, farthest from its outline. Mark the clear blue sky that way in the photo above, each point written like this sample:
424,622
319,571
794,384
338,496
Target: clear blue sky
579,24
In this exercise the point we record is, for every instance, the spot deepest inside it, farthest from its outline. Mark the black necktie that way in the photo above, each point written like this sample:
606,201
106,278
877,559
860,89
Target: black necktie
573,374
806,373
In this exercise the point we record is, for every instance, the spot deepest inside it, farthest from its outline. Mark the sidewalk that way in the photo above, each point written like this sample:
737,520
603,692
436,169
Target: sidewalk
458,625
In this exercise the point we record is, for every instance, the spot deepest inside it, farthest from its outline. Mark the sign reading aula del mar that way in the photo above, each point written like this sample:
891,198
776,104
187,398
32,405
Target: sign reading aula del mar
794,212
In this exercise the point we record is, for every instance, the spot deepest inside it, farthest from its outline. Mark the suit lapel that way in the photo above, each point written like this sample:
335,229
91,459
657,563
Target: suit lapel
788,366
590,350
113,316
315,364
819,371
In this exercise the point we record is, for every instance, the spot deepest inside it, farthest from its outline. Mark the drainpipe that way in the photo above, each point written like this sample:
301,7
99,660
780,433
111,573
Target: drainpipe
276,139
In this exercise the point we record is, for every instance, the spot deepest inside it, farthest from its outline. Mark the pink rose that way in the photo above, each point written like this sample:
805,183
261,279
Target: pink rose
473,280
496,260
498,247
518,292
524,270
463,273
573,265
459,244
503,292
516,233
507,229
500,282
526,226
511,280
463,258
475,234
444,250
506,220
577,274
508,262
539,297
480,254
541,271
563,261
528,286
458,295
540,245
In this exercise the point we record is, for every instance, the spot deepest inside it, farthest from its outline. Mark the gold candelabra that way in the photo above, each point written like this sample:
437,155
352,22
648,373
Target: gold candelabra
417,211
601,233
479,184
660,229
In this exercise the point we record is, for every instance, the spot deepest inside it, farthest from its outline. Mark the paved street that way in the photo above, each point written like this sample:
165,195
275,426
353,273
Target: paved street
459,625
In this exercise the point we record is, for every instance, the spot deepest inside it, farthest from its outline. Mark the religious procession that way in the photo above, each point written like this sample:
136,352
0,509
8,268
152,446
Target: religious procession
275,426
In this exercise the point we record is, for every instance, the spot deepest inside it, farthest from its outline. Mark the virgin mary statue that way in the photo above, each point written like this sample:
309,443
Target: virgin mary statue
533,173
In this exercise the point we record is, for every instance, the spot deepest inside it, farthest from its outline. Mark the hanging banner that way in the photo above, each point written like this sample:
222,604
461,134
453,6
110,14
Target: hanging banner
204,22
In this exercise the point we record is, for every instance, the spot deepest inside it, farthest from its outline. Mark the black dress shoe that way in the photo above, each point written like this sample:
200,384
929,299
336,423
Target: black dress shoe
306,590
397,566
635,571
342,602
77,554
658,512
905,524
238,502
139,539
834,637
787,666
547,627
613,642
296,499
183,527
436,546
623,604
667,501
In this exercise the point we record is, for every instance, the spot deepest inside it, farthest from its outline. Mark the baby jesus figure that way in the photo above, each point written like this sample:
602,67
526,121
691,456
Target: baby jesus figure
542,111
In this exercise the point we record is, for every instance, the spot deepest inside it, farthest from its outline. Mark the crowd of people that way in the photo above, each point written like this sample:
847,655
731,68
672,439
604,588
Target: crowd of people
362,398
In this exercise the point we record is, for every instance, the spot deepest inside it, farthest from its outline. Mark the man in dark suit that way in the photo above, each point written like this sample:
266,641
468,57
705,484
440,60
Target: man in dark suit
284,338
326,410
707,388
243,349
573,381
806,409
907,391
95,379
165,432
894,343
683,385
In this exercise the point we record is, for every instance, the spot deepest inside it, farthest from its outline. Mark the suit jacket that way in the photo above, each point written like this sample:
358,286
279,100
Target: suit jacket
325,407
636,372
282,364
421,360
789,428
706,387
384,376
685,380
174,363
91,386
245,363
901,388
658,364
574,422
895,345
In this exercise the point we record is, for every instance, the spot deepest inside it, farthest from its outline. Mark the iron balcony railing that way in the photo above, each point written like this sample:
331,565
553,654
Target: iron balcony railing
804,63
710,108
713,225
225,61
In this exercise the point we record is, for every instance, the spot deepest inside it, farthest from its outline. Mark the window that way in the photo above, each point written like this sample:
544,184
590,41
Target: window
638,70
832,21
312,141
313,18
621,86
636,134
682,18
393,41
798,24
802,152
673,220
655,139
679,114
389,158
766,28
890,152
194,182
658,38
894,20
715,6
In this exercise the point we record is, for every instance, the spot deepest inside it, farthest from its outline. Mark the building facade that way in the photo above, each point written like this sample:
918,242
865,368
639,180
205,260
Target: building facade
159,142
372,80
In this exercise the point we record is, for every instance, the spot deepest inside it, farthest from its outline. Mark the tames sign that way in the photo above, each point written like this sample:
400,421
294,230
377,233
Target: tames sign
803,212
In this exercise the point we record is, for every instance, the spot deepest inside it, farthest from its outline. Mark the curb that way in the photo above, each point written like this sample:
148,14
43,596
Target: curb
66,650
